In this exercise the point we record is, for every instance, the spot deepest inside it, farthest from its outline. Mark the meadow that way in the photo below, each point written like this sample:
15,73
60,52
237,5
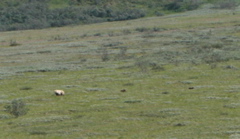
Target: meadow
180,73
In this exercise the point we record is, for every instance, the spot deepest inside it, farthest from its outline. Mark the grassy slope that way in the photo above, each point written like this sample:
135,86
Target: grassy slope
157,104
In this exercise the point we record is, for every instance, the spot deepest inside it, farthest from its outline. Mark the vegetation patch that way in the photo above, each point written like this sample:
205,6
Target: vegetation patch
26,88
133,101
37,133
16,108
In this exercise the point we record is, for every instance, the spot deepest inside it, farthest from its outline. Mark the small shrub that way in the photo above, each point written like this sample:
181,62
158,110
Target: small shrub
230,67
44,52
57,38
142,65
165,92
16,108
122,53
83,60
156,29
213,65
112,44
180,124
142,29
217,45
126,31
111,34
156,67
26,88
105,55
214,57
97,34
2,117
84,35
13,43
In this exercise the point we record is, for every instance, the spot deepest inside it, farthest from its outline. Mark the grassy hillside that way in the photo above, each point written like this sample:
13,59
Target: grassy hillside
156,60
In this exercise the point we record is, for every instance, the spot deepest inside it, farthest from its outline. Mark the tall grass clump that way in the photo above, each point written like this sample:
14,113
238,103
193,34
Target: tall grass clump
16,108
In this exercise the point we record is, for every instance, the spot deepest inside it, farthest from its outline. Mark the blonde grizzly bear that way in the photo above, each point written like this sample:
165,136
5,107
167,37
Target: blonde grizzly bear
59,92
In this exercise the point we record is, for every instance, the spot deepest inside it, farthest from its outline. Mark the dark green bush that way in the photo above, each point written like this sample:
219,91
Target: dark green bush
13,43
16,108
182,5
156,67
26,88
25,16
36,14
142,29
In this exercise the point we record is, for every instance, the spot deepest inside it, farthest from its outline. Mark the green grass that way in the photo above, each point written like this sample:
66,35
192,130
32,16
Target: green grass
161,61
143,111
